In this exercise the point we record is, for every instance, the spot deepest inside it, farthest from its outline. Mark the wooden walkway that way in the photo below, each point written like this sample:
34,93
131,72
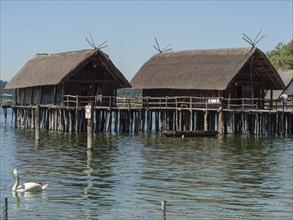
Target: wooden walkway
124,114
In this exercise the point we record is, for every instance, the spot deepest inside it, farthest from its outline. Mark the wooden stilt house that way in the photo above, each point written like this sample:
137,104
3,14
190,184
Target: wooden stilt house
229,73
287,77
46,78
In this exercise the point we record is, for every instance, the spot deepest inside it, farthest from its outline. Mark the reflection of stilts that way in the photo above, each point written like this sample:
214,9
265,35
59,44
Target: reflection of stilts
37,145
88,171
89,158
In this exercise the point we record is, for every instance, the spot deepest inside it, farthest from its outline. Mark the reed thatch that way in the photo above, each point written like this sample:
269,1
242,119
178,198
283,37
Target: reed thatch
210,69
52,69
287,77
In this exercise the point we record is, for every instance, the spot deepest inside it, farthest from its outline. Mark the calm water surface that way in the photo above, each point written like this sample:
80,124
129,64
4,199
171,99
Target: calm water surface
127,176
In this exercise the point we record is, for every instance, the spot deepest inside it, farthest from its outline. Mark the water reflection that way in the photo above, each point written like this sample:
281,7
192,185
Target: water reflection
88,171
28,197
126,176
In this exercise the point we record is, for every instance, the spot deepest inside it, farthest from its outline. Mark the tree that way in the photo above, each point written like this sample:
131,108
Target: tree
282,55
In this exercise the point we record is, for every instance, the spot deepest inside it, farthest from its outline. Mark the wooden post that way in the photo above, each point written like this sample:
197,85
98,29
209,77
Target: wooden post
15,117
121,121
163,209
206,120
65,120
260,125
109,121
257,125
115,121
37,123
220,122
180,121
88,112
95,120
289,131
5,209
282,122
143,120
162,120
76,119
5,116
191,121
176,120
149,120
156,120
12,115
70,120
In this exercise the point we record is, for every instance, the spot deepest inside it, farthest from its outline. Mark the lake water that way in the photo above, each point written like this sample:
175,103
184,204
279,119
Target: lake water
127,176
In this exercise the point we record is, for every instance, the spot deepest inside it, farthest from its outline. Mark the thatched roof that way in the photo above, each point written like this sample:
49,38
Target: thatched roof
287,77
52,69
203,69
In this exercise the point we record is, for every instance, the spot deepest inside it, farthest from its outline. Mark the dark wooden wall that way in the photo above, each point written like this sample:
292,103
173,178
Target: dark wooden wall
93,76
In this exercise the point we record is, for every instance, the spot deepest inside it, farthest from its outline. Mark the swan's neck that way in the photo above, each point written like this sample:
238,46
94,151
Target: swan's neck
16,183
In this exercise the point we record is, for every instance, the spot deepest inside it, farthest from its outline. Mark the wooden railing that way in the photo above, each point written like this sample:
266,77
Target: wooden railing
7,100
177,102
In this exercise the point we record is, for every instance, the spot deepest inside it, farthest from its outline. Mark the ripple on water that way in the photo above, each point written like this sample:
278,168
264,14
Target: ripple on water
127,175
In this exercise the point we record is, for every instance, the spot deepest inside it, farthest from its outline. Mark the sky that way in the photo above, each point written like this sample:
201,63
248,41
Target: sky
130,28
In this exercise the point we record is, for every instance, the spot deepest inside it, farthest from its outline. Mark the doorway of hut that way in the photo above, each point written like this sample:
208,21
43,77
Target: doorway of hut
242,93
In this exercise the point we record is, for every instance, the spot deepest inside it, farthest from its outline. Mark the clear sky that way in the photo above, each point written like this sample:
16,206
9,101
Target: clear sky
30,27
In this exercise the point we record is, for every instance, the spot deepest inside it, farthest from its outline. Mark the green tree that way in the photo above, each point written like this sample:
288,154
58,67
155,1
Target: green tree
282,55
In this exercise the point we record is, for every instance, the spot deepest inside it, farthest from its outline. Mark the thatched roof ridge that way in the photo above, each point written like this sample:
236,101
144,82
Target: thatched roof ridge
51,69
211,69
217,51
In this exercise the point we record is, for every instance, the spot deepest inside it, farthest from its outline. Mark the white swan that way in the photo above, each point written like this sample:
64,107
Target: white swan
30,186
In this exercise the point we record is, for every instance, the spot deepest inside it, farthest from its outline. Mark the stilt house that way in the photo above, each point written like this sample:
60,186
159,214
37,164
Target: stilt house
46,78
287,77
229,73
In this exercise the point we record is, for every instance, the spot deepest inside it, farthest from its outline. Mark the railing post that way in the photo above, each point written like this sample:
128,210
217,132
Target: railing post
206,101
129,103
191,103
166,102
